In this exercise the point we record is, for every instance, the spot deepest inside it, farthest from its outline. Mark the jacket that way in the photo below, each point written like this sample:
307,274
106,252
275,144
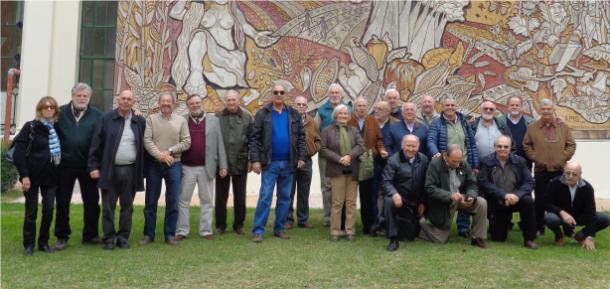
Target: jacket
419,117
324,115
373,138
37,165
399,130
331,150
528,120
502,127
262,134
494,195
75,136
557,198
313,140
236,128
437,139
105,143
438,190
400,177
549,154
215,155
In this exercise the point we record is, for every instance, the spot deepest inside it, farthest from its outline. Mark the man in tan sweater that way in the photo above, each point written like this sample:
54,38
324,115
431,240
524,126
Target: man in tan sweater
165,138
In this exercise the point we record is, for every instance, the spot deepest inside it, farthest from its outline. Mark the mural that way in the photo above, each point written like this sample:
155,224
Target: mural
475,50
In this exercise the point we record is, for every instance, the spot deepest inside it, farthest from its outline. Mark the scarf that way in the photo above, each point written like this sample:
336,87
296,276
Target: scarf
344,141
53,142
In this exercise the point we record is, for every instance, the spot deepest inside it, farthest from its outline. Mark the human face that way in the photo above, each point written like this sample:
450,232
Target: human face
343,116
382,111
392,99
572,173
454,159
48,111
80,99
360,107
409,112
126,101
279,94
487,110
410,147
194,104
427,104
449,108
231,101
165,104
300,105
502,148
547,111
335,95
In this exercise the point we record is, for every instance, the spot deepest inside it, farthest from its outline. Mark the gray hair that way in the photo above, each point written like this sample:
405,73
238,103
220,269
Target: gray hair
404,104
494,105
300,96
80,86
404,138
515,96
336,85
279,86
510,140
454,148
189,98
391,90
170,94
547,101
448,97
232,91
339,108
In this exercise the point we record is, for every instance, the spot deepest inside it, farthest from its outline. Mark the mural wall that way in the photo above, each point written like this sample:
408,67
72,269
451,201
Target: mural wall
475,50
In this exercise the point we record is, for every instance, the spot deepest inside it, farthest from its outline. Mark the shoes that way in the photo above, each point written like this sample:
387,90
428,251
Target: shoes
288,226
282,235
93,241
45,248
306,225
334,238
327,224
530,245
179,237
539,233
109,246
351,238
343,233
209,237
239,231
465,235
559,241
478,242
393,245
122,244
219,231
376,226
145,241
580,238
171,241
61,244
258,238
29,251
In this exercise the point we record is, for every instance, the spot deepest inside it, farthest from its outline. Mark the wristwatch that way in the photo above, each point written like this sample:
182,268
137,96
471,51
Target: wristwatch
590,238
171,151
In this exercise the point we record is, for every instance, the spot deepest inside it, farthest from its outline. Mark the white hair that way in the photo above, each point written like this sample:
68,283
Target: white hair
404,138
339,108
391,90
547,101
335,85
405,104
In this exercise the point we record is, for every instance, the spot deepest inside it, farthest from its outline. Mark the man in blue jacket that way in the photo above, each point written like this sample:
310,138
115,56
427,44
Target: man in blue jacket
405,127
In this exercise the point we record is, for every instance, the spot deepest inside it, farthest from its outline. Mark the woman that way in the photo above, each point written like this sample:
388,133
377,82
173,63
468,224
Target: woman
37,155
341,146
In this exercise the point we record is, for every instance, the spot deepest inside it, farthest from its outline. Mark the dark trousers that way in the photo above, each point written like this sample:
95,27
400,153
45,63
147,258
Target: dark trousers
31,213
400,222
378,169
91,198
555,222
122,189
527,213
367,212
542,178
239,200
301,183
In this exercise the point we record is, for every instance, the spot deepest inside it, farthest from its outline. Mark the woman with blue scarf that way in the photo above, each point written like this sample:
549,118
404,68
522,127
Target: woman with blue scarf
37,155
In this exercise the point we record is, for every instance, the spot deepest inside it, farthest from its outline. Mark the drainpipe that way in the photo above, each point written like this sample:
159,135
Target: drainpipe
9,103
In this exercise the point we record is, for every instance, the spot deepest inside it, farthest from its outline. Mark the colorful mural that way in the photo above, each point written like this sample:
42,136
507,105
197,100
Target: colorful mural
475,50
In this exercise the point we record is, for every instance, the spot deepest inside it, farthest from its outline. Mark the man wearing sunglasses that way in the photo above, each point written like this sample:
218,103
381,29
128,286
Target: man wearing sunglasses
550,145
570,201
507,184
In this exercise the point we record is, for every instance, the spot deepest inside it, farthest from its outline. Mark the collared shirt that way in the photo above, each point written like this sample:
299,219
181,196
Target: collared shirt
303,119
196,119
411,160
486,137
77,113
170,116
499,162
410,128
573,191
361,121
381,125
548,128
511,119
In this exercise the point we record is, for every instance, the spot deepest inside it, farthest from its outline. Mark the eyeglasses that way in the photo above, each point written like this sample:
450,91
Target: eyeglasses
301,104
45,107
276,92
489,109
503,147
571,174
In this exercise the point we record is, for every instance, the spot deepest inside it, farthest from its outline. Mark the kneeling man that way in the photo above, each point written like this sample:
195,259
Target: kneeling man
451,186
402,182
570,201
506,183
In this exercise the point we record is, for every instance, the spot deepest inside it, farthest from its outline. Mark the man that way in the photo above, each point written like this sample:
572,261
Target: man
385,120
452,128
236,125
487,131
507,184
116,160
302,177
392,96
451,185
277,149
323,119
373,140
403,186
166,137
405,127
75,126
200,164
570,201
550,145
427,113
517,123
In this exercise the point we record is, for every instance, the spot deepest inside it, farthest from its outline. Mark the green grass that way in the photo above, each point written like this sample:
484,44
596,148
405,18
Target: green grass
308,259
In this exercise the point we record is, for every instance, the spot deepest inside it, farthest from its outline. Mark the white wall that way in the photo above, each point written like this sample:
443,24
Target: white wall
594,158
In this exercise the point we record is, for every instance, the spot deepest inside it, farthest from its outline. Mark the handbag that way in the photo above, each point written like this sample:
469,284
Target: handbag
11,148
366,166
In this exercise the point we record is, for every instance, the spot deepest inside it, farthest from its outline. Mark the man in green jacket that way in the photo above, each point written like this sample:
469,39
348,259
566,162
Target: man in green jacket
451,186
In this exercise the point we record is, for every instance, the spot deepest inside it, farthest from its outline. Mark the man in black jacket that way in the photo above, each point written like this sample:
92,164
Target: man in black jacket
116,160
277,149
506,183
403,185
570,201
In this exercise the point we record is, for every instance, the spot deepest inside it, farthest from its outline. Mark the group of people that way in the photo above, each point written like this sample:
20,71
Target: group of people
425,167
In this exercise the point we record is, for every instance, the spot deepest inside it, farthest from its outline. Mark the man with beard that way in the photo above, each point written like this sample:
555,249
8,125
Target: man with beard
166,137
427,114
487,131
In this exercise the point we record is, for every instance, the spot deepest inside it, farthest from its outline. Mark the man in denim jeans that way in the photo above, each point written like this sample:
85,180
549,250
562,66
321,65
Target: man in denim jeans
277,149
165,138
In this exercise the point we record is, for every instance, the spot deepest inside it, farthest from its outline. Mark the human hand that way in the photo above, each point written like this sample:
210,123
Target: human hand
589,244
436,155
137,112
457,196
256,167
263,39
95,174
476,172
567,218
249,167
560,120
421,210
384,154
223,173
397,200
472,119
162,155
25,184
512,199
169,160
301,164
468,202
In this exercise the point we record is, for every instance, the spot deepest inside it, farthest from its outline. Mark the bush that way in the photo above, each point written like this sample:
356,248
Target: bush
8,171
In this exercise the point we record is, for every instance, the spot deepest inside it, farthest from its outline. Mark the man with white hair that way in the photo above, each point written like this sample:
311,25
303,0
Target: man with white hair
385,120
426,114
392,96
487,131
408,126
570,201
550,145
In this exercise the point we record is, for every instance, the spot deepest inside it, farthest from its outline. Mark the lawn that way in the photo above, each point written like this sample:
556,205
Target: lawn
308,259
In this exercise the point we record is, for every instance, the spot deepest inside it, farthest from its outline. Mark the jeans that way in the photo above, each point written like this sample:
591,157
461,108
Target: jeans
555,222
31,213
301,184
122,189
278,172
463,222
542,178
91,198
156,172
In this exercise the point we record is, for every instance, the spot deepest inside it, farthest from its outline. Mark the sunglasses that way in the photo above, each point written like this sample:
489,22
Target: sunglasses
45,107
489,109
503,147
301,104
281,92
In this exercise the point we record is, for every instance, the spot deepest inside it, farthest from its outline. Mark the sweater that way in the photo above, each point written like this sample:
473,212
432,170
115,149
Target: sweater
75,136
280,142
162,134
195,155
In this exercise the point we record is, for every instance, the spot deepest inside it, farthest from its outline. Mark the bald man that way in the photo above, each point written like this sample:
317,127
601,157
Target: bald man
570,201
427,114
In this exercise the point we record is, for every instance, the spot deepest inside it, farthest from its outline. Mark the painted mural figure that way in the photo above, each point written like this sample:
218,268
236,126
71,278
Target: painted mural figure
217,32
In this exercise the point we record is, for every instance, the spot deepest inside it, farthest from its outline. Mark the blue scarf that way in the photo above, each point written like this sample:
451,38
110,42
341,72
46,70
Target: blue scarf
53,142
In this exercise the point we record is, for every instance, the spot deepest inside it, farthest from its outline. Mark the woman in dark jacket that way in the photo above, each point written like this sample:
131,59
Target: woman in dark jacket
37,155
341,146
